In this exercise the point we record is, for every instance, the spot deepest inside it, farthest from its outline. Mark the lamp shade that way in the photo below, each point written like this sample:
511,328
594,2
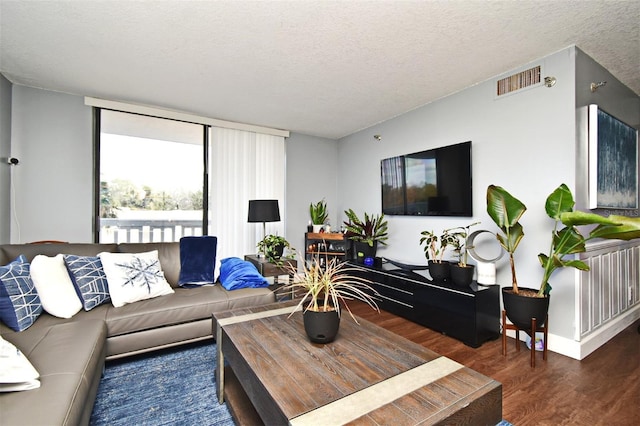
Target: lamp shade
263,211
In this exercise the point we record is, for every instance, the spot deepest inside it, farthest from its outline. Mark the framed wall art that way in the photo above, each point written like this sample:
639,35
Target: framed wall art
613,162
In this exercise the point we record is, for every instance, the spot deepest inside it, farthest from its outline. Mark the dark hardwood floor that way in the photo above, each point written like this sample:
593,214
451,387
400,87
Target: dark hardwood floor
602,389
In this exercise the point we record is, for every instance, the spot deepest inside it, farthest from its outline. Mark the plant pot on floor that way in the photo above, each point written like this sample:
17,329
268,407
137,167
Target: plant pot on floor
321,327
364,250
439,271
461,276
521,309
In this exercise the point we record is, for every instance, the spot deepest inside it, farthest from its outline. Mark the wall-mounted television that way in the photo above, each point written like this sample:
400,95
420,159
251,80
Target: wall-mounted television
436,182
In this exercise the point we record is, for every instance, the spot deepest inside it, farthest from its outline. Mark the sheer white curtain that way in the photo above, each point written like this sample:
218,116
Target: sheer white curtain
243,166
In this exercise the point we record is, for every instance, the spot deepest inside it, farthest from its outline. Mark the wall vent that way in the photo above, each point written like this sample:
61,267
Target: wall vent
519,81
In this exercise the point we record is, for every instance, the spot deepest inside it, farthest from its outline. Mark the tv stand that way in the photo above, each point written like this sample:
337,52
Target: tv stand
471,314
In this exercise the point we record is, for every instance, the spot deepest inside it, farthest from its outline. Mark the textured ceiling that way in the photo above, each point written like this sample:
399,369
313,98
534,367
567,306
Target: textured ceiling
325,68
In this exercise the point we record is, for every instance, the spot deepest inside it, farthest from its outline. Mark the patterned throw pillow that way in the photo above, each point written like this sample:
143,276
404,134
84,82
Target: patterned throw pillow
89,280
134,276
19,302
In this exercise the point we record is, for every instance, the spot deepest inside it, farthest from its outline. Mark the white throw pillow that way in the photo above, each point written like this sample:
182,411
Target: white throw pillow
54,286
16,372
134,276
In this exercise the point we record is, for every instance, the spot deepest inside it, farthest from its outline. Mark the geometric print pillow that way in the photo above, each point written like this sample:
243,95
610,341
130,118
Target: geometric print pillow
89,280
134,276
19,302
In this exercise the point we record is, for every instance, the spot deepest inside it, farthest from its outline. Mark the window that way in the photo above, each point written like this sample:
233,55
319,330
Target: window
161,179
150,178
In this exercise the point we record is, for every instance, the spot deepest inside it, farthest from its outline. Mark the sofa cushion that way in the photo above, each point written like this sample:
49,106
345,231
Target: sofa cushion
89,280
184,306
134,276
52,281
69,357
20,304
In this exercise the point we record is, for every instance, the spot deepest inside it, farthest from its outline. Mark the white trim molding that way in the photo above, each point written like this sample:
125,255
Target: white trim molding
181,116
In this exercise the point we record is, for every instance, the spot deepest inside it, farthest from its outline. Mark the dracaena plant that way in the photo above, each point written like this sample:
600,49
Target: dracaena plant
323,288
368,230
566,239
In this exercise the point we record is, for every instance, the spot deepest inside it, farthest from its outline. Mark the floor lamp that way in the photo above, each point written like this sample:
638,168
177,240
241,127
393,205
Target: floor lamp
263,211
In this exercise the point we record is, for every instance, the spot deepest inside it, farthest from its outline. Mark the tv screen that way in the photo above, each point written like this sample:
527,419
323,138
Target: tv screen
436,182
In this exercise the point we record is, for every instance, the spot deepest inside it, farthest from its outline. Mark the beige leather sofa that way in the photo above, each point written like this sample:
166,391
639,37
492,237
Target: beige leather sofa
69,354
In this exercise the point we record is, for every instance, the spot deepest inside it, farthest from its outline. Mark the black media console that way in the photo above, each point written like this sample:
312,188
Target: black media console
471,314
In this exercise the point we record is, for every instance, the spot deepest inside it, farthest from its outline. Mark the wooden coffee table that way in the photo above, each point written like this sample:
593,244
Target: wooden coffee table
368,375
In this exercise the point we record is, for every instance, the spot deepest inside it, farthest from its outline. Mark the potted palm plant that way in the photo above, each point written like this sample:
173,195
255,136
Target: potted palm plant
272,246
325,291
461,271
366,233
520,303
435,247
319,214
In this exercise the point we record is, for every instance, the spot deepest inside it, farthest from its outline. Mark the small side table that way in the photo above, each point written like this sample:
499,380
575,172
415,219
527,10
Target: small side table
269,269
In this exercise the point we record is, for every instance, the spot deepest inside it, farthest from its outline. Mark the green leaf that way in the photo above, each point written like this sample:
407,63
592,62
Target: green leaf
626,228
503,208
559,201
578,218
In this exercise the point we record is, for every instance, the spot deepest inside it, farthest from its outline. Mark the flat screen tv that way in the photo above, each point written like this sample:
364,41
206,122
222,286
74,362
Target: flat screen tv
436,182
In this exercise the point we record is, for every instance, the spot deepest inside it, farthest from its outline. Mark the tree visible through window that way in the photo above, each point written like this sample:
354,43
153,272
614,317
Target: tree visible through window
151,178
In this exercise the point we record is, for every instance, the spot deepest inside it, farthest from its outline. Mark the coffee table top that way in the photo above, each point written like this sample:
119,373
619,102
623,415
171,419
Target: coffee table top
367,374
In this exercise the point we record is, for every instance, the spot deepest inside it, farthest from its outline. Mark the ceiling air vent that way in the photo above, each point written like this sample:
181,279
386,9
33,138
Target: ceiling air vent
519,81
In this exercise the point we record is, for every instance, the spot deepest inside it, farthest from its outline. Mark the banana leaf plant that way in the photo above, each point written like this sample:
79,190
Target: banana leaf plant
566,239
505,210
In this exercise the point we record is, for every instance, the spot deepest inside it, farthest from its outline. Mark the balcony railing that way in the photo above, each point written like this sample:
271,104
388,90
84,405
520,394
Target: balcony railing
147,231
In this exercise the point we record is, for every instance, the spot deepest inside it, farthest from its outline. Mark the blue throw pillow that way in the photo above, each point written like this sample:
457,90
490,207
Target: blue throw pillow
19,301
197,260
236,273
89,280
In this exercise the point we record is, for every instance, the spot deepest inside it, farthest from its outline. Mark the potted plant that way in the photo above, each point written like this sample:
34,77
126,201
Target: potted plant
319,214
366,233
521,304
461,271
435,247
325,292
272,246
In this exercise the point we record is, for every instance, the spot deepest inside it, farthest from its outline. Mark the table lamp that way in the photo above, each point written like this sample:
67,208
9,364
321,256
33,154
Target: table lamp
263,211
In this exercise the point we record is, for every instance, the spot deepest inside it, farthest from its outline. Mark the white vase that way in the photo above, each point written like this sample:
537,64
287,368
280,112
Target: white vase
316,228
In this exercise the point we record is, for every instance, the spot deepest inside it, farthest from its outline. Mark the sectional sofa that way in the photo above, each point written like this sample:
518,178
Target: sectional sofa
70,353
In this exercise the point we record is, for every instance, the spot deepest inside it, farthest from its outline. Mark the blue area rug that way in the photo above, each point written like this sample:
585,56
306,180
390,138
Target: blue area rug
170,387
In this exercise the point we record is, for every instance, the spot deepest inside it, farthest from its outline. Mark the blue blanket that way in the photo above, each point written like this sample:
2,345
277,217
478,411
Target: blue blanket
197,260
236,273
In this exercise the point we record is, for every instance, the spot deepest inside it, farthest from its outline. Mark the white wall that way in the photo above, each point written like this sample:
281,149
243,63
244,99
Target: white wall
52,138
312,174
524,142
5,152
